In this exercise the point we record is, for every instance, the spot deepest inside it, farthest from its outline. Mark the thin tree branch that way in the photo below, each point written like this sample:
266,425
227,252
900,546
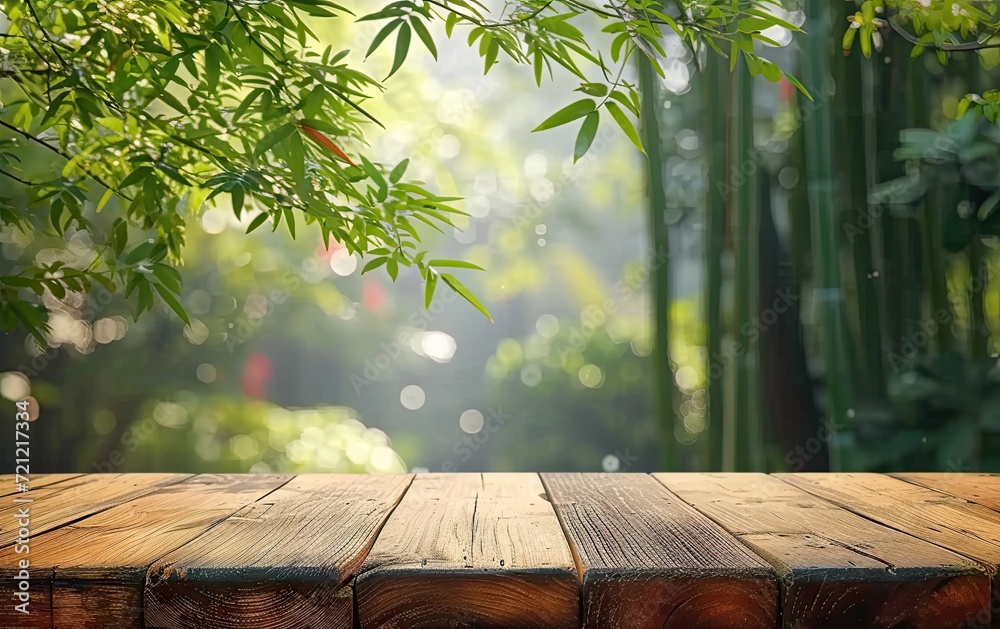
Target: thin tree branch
10,175
253,38
945,47
479,22
60,152
45,33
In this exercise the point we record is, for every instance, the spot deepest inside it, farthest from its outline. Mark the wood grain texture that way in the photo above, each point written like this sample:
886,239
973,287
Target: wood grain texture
282,561
35,481
982,489
646,559
838,569
95,568
965,527
74,499
470,550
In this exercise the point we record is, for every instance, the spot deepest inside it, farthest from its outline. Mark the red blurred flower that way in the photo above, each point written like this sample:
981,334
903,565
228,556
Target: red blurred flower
372,296
257,373
325,253
785,90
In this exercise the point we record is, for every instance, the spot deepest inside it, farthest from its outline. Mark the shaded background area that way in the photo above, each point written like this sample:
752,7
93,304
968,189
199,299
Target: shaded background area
821,270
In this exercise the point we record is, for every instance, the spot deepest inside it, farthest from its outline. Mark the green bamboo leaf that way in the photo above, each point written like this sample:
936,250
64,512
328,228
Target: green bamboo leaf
455,264
136,176
257,221
399,170
424,35
171,301
20,282
753,24
492,52
272,138
374,264
236,195
449,25
247,102
569,113
119,235
168,276
771,19
402,48
460,288
625,124
289,220
801,88
104,199
144,251
586,135
429,286
382,34
770,70
31,319
213,61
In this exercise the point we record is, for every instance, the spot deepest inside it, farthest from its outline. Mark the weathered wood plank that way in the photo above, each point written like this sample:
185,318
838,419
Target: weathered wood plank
35,481
470,550
90,574
54,505
282,561
837,568
646,559
982,489
965,527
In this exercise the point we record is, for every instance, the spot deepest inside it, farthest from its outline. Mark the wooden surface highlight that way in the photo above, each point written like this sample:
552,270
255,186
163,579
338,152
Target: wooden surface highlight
965,527
982,489
463,551
35,481
470,550
648,560
838,569
282,561
77,498
95,568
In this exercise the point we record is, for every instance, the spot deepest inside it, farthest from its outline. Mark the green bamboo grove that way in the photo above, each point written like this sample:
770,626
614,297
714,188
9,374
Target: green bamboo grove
871,200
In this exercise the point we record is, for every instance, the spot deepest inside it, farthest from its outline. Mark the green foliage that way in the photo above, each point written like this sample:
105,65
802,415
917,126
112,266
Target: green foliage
965,151
543,34
941,25
232,434
149,111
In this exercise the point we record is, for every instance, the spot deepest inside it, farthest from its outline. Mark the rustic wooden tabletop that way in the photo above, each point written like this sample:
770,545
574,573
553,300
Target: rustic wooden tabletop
548,551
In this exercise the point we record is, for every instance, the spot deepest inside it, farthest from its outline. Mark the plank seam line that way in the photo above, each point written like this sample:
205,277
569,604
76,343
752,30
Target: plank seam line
984,568
145,579
73,521
572,548
940,491
356,622
781,573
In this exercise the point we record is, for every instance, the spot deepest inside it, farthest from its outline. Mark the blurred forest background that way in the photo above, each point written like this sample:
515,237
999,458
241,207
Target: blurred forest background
783,284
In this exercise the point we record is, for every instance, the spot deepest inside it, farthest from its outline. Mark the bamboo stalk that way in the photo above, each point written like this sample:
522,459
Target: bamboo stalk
828,291
715,84
979,329
744,183
863,220
660,274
